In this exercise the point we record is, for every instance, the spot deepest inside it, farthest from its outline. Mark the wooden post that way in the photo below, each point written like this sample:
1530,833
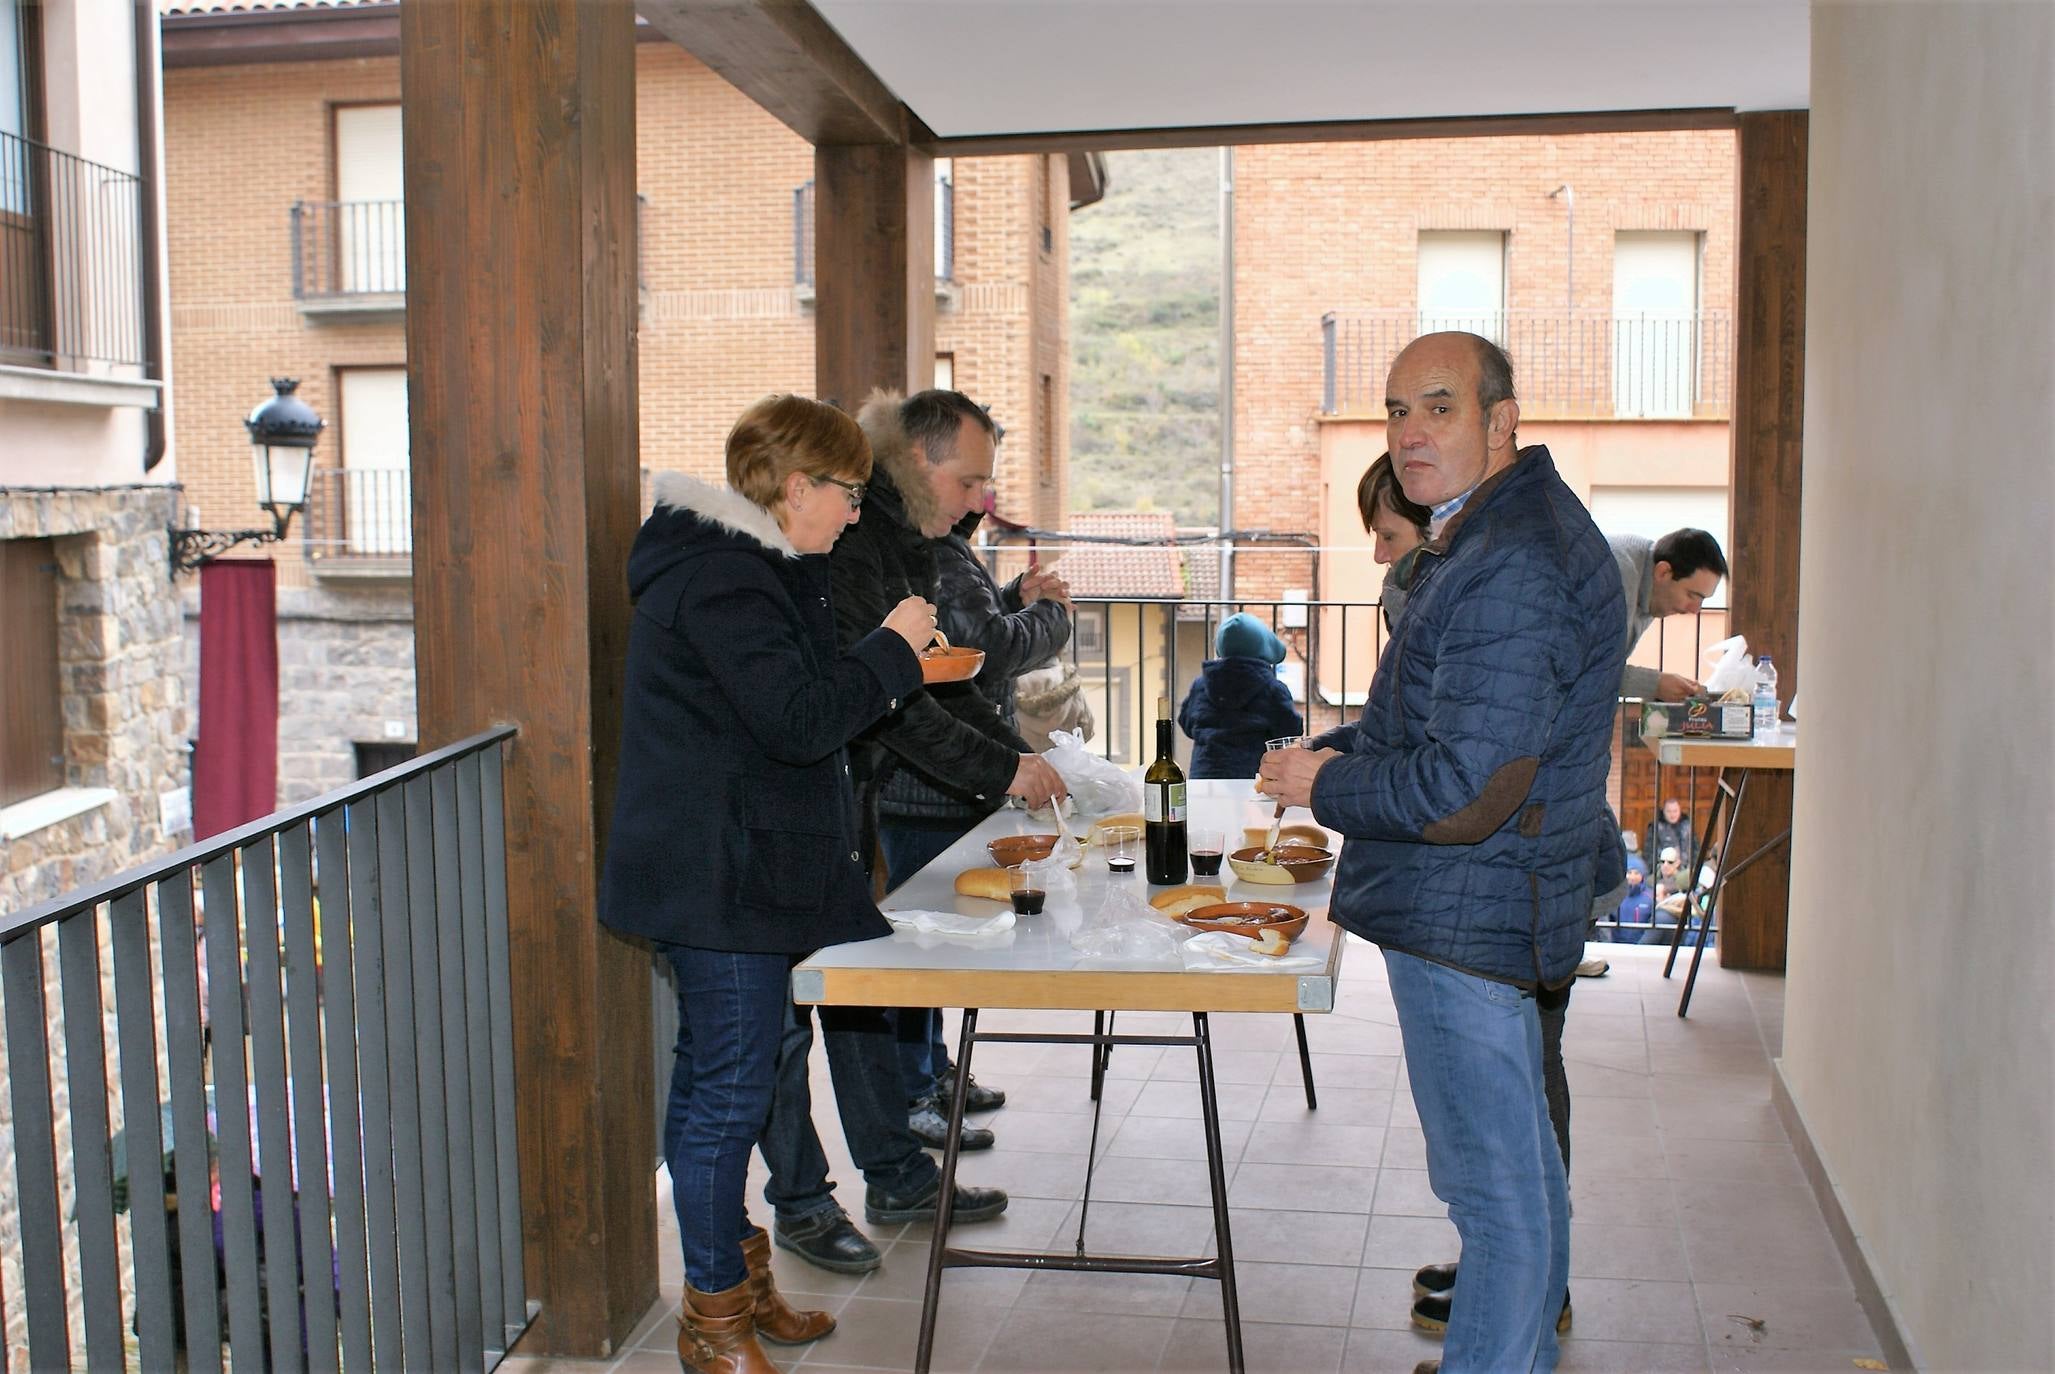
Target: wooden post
521,311
1768,461
874,270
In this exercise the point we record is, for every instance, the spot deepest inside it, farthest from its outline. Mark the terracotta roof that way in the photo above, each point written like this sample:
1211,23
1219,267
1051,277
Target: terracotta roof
1150,570
1201,571
262,6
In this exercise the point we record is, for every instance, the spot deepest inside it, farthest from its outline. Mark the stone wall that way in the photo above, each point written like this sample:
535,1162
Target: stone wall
345,677
124,703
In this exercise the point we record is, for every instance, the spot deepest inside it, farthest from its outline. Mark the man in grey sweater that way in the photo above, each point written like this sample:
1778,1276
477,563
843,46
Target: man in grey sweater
1673,575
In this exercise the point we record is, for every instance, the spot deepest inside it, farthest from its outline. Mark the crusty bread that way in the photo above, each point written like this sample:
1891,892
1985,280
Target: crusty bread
993,884
1176,901
1099,827
1272,941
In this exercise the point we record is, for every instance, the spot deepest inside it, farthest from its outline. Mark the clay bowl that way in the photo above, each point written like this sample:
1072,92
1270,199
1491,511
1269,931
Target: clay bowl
1297,831
938,664
1010,851
1247,918
1295,863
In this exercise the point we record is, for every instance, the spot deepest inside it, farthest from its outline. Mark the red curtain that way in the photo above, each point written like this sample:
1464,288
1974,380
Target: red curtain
235,771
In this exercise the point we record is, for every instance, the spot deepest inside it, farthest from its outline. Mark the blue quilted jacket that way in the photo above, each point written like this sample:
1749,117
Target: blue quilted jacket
1472,790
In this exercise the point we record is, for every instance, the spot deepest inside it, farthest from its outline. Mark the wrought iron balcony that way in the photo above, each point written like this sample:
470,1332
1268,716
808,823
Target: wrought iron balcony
71,267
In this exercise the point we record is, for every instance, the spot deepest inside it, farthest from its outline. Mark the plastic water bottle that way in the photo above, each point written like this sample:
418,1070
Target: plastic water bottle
1765,698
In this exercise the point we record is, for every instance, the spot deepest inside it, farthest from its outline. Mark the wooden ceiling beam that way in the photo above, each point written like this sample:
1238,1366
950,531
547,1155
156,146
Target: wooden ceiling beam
783,55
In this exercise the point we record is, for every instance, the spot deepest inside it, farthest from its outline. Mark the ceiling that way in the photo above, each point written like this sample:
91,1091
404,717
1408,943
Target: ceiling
968,67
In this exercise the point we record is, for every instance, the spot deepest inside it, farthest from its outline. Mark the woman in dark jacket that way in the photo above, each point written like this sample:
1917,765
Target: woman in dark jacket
734,838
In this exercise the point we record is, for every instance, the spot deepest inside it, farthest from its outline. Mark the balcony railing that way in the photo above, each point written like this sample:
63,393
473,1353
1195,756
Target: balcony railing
349,248
302,1147
1565,365
359,514
803,223
71,267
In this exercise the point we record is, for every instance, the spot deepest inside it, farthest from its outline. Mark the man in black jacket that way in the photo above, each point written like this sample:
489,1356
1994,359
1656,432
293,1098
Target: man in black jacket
933,455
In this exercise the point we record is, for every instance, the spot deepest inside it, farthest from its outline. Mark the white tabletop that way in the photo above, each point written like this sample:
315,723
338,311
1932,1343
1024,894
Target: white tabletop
1033,965
1778,751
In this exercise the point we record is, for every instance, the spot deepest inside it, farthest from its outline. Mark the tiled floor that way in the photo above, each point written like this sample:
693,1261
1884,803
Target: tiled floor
1696,1244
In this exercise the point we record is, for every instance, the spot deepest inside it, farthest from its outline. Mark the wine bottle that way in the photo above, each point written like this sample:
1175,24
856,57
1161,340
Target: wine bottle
1164,802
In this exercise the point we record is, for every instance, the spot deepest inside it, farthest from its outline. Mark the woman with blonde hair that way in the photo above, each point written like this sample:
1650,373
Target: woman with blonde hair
734,838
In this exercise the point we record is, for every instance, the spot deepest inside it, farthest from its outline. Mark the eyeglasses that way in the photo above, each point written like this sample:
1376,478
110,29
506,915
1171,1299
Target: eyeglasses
853,490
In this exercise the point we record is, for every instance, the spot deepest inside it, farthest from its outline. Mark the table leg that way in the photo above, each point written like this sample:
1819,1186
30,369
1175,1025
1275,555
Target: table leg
1098,1053
1713,894
1305,1061
1216,1174
945,1201
1723,798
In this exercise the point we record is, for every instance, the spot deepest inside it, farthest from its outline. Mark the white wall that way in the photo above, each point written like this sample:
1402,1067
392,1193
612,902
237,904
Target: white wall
1919,1042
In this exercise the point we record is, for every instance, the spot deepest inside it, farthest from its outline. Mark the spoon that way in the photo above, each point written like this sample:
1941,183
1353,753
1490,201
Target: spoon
1268,854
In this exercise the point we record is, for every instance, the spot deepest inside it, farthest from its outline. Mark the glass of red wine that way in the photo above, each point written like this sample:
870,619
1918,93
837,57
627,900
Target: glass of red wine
1123,847
1205,851
1028,892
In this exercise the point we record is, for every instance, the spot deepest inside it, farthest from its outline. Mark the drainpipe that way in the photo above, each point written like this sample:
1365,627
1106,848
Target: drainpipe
1570,262
150,173
1226,371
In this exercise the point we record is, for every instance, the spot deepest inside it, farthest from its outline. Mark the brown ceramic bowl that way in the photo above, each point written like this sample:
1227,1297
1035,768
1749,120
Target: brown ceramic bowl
1296,832
1010,851
1293,863
1247,918
939,664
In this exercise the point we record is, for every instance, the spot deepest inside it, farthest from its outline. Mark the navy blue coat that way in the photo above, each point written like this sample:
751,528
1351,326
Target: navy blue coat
1234,706
735,824
1472,794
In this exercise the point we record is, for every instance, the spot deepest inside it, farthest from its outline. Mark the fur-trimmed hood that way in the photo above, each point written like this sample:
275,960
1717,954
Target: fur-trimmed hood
693,517
893,457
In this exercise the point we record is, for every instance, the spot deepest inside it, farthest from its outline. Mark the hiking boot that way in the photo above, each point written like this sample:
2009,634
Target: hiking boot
828,1240
930,1126
1431,1313
972,1204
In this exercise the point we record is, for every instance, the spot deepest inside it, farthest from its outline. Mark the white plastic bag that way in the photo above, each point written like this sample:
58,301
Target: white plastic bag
1128,930
1098,786
1054,872
1730,667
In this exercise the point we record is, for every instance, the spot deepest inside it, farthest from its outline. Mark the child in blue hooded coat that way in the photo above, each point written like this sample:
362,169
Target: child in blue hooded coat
1238,702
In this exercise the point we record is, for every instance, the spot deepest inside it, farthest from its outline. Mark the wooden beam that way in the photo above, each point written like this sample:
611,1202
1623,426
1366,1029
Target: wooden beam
521,316
1330,131
874,271
1767,466
785,57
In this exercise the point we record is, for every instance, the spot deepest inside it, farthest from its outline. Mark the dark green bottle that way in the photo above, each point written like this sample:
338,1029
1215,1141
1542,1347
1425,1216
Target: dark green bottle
1163,801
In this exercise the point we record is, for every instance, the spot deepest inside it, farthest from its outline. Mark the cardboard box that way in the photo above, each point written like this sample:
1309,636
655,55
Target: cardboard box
1697,718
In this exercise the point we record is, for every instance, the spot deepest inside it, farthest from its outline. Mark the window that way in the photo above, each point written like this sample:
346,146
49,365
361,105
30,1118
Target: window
1653,512
377,757
945,220
1462,281
1655,324
378,510
24,243
1047,165
31,717
371,223
945,372
1045,431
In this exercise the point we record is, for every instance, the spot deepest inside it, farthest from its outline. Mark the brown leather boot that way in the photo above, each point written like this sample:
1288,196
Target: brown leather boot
776,1319
716,1334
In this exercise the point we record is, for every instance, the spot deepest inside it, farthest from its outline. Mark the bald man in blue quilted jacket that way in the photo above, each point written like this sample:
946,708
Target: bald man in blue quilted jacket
1472,796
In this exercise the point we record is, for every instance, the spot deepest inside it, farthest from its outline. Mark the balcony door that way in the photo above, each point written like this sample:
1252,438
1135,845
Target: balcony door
1462,282
24,246
377,504
370,213
1655,325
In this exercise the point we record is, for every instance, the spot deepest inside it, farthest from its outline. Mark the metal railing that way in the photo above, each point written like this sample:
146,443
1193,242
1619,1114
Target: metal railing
803,228
349,248
359,513
1565,365
71,268
302,1154
1142,650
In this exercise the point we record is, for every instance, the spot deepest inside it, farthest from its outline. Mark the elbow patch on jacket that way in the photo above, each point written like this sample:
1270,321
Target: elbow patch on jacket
1502,793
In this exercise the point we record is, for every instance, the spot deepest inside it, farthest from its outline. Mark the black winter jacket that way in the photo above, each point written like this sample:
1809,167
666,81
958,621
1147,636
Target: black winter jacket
977,613
735,826
1234,706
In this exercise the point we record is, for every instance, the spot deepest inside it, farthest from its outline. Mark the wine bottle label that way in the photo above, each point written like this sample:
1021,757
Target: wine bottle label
1165,802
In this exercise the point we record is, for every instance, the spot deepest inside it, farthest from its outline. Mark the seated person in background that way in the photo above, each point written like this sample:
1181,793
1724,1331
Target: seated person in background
1671,829
1668,883
1237,702
1397,527
1636,914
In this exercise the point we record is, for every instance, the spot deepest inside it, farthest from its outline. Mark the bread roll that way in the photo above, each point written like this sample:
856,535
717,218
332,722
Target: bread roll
1272,941
1098,835
1177,901
993,884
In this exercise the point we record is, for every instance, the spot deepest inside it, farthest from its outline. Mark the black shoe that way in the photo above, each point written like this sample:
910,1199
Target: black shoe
972,1204
981,1098
828,1240
1431,1314
930,1126
1434,1278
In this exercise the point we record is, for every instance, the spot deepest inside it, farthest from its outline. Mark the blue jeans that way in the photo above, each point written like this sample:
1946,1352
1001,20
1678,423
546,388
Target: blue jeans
864,1064
731,1008
1473,1054
909,846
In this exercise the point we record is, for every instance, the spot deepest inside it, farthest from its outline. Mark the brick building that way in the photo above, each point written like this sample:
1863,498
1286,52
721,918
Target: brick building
287,258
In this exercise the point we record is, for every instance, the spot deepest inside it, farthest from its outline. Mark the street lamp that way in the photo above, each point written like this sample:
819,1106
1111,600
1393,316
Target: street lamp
283,431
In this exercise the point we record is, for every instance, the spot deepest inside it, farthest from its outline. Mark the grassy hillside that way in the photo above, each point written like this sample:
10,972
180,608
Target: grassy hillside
1145,335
